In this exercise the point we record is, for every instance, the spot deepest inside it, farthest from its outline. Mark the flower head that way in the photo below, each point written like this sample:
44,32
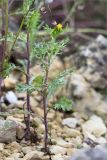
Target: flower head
59,26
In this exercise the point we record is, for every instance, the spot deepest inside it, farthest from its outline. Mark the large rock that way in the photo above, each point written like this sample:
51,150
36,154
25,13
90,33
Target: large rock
7,131
85,97
98,153
95,126
88,85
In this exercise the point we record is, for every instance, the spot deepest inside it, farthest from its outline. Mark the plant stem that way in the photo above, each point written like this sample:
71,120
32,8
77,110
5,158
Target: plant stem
4,32
45,107
27,119
6,26
19,30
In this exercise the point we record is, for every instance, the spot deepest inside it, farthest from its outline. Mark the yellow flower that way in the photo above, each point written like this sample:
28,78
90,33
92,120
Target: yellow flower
59,26
57,30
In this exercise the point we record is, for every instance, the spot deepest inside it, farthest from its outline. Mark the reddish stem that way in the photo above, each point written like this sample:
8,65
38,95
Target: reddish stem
45,107
27,119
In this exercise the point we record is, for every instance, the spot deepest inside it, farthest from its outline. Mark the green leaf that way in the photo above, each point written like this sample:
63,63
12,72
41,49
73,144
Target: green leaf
37,81
10,37
24,88
22,37
33,20
63,104
7,68
58,82
26,5
50,49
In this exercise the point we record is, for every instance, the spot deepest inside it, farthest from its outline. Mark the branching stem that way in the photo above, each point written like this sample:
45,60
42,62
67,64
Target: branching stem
45,107
4,32
27,119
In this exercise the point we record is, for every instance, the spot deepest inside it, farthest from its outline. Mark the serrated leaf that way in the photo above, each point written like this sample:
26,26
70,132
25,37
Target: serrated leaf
23,37
58,82
63,104
10,37
33,19
7,68
26,5
37,81
50,49
24,88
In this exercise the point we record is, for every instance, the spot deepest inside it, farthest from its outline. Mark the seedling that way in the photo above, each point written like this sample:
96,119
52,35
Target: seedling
45,52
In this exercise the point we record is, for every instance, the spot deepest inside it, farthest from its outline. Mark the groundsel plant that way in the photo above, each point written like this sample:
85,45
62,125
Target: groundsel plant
45,52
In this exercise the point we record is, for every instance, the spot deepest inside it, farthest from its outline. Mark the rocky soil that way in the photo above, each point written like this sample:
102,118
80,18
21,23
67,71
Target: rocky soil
85,127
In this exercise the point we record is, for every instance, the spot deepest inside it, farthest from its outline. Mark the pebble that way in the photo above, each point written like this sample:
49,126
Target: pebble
70,122
95,126
33,155
55,149
7,131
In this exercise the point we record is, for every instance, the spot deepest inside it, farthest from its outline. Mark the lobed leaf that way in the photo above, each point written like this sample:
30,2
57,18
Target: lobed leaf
63,104
58,81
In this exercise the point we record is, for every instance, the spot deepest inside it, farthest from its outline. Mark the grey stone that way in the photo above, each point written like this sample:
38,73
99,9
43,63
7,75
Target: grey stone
97,153
95,126
70,122
102,41
7,131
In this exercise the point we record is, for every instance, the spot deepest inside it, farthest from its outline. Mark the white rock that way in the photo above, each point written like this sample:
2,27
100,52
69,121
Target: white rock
80,86
95,126
15,156
57,157
33,155
62,143
70,122
11,97
87,52
102,40
101,140
1,146
57,150
27,149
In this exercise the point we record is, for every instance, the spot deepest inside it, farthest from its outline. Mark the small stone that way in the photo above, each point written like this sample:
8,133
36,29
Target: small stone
27,149
57,157
7,131
57,150
20,131
15,156
20,104
95,126
102,41
36,122
80,87
33,155
14,147
17,120
11,97
101,140
1,146
9,83
77,142
69,132
70,122
63,143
